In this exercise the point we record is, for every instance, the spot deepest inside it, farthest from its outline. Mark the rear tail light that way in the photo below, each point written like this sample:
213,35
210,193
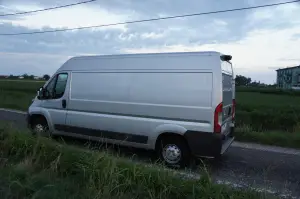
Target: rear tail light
218,118
233,109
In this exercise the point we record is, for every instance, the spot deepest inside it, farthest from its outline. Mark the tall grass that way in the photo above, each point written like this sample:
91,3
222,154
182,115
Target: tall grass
273,91
246,133
40,168
267,111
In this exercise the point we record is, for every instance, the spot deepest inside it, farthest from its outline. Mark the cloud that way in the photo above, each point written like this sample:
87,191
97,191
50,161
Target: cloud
152,35
259,50
72,17
275,17
258,39
108,40
38,64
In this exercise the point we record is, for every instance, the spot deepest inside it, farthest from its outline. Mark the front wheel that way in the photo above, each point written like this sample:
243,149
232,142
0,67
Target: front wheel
174,152
40,127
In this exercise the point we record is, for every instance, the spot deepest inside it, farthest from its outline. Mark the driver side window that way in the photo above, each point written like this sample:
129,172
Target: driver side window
50,87
56,87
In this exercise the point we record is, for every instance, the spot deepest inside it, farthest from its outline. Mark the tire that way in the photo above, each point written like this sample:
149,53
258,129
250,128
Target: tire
40,127
174,152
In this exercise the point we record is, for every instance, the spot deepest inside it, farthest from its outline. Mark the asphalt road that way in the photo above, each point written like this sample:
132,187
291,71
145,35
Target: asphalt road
270,169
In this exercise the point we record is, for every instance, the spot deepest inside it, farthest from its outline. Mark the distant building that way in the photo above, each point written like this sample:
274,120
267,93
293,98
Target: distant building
288,78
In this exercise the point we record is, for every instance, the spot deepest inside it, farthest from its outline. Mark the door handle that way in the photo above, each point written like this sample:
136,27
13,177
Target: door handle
64,103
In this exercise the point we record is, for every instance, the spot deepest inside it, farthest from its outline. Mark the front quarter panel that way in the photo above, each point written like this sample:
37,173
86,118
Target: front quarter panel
36,108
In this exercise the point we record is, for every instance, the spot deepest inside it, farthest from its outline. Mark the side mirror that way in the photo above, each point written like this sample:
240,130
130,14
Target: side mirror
41,93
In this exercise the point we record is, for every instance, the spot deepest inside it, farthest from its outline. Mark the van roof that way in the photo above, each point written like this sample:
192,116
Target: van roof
205,53
74,63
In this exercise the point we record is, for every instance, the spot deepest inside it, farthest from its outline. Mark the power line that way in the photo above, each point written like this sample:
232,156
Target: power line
147,20
46,9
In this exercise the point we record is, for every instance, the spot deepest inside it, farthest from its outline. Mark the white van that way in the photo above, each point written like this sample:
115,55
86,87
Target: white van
179,104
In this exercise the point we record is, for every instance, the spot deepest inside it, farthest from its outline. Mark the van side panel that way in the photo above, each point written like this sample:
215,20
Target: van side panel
141,101
163,89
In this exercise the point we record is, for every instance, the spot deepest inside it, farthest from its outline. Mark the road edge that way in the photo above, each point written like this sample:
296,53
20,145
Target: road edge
13,111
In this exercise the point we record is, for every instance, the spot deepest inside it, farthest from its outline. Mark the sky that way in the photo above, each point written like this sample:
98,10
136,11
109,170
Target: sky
260,40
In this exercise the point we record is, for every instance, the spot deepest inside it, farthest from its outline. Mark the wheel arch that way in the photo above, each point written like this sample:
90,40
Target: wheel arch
34,114
167,130
34,117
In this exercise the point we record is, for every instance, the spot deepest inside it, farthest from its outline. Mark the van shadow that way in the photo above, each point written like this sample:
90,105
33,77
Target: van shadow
139,155
131,153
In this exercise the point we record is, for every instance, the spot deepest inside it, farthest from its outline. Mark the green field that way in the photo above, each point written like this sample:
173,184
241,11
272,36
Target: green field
34,167
17,94
268,111
263,115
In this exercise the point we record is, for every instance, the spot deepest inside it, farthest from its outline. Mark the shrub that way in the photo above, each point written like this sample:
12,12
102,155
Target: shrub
269,91
268,119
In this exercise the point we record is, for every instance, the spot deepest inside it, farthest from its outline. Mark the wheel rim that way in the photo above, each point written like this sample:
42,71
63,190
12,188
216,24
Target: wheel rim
171,154
39,128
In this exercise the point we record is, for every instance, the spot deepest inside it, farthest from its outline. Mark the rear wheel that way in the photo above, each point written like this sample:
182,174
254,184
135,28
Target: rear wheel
174,151
40,127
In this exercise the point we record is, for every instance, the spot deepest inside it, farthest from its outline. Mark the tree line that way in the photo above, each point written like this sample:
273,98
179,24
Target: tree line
241,80
29,77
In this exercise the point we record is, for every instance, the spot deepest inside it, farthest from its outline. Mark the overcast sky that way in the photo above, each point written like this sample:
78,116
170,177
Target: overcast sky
260,40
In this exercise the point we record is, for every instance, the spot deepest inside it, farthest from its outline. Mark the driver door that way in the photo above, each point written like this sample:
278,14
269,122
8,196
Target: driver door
57,99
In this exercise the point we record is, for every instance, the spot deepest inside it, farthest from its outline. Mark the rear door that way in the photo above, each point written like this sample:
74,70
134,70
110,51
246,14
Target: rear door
228,95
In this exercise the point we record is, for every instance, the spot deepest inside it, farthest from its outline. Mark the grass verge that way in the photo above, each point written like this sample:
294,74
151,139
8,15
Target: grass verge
41,168
274,138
